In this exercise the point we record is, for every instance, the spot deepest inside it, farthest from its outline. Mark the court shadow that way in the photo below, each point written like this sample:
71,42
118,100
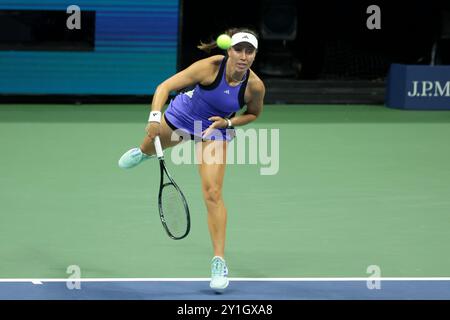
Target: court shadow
220,295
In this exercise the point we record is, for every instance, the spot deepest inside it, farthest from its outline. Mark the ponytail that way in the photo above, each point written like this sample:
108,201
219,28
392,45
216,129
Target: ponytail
207,47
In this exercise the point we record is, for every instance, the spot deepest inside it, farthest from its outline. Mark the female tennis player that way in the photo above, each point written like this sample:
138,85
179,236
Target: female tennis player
223,85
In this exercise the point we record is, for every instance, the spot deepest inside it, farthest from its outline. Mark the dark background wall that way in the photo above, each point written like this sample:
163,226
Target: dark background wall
332,40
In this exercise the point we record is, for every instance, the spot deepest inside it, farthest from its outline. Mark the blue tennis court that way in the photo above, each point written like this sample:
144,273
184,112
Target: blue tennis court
239,289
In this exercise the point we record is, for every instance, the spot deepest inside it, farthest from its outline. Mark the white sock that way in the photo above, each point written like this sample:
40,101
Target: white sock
221,258
146,156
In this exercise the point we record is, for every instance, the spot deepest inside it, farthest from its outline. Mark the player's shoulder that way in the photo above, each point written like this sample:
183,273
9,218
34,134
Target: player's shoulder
255,83
212,60
207,66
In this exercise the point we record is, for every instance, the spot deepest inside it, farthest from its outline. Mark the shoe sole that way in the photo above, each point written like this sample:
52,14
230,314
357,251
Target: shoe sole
220,289
123,165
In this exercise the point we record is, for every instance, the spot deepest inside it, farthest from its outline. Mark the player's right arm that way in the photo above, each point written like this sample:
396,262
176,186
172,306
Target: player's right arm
198,72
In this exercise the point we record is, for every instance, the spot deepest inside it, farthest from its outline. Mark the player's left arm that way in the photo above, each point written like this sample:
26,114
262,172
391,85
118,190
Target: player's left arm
254,108
254,105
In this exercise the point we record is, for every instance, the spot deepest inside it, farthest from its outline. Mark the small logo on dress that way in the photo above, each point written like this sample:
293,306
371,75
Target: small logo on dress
190,93
227,91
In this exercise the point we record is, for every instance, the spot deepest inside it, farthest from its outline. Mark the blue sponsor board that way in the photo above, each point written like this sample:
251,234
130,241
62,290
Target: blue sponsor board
418,87
134,49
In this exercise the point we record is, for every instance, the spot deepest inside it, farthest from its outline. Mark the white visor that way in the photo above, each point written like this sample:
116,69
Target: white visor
244,37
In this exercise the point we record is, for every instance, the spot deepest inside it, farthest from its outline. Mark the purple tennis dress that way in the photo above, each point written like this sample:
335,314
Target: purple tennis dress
189,111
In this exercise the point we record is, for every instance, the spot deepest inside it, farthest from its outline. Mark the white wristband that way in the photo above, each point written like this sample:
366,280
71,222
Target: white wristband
229,124
155,116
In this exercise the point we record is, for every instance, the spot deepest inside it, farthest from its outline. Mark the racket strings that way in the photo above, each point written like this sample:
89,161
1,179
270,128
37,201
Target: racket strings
174,211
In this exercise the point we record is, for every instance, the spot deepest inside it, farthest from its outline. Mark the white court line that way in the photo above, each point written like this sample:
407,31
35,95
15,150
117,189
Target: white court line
40,281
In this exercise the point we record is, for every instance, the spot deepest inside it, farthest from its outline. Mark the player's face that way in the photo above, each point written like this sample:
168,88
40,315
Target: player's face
242,56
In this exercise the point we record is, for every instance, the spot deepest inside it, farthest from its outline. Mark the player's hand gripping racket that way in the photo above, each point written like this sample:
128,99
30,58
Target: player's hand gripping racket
173,208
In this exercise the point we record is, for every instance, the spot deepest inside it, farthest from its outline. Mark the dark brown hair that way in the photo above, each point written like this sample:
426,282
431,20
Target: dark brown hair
207,47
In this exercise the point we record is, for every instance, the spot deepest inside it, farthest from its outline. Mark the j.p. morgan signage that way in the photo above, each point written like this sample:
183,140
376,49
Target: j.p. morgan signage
418,87
429,89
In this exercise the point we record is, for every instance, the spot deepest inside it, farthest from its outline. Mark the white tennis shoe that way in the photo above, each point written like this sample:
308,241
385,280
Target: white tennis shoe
132,158
219,274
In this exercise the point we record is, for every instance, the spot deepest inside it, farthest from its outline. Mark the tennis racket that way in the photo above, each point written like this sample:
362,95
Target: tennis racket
173,207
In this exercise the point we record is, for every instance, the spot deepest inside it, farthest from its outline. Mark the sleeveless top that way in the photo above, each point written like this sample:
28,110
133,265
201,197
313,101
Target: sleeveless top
217,99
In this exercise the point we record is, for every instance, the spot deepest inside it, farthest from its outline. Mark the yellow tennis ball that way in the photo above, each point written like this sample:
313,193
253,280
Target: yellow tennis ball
223,41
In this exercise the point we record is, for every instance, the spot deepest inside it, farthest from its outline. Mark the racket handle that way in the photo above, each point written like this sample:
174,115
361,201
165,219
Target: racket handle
158,148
